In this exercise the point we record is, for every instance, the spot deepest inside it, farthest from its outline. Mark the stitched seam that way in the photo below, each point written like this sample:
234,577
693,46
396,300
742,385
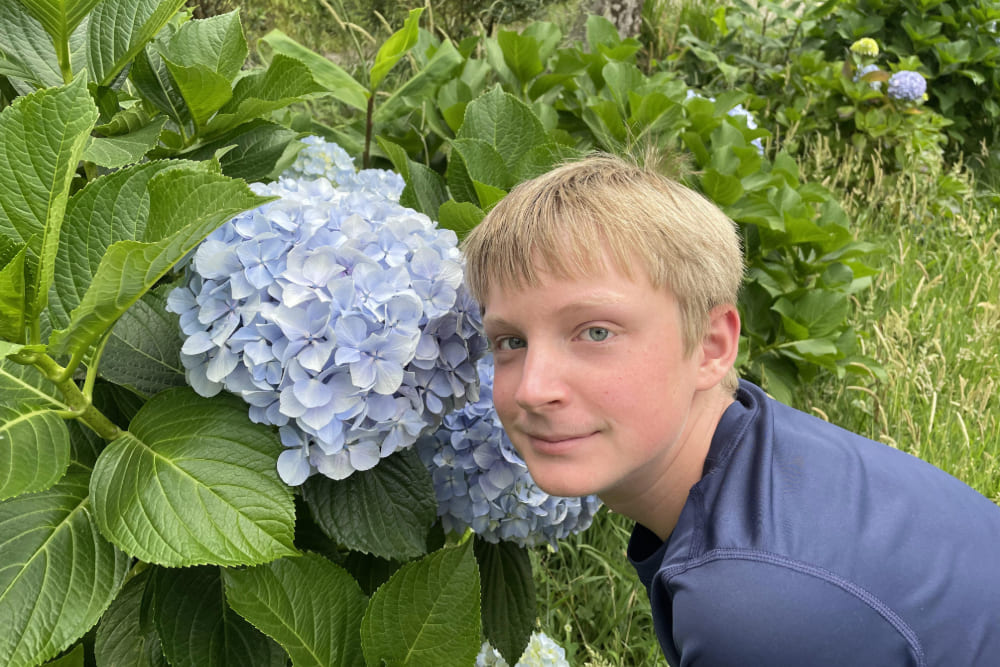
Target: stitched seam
867,597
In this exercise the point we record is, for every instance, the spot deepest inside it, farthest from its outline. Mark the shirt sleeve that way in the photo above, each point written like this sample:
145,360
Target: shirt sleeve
736,612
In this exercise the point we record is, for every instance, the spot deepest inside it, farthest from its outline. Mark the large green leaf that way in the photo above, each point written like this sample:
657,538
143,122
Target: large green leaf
475,161
12,297
508,597
60,18
193,482
335,80
216,43
42,137
442,67
185,205
24,384
143,352
34,449
427,613
120,150
386,511
396,47
204,91
118,31
152,78
27,52
253,151
126,634
57,575
198,629
310,606
505,122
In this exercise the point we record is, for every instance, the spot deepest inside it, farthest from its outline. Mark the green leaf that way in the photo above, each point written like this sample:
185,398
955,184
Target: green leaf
427,613
60,18
425,191
143,352
72,659
386,511
285,81
397,155
198,629
508,597
58,574
441,68
488,195
27,49
121,150
505,122
722,189
34,449
12,297
256,147
341,85
395,47
193,482
521,53
152,79
460,217
310,606
816,314
42,137
118,31
481,162
203,91
185,205
541,159
126,634
24,384
216,42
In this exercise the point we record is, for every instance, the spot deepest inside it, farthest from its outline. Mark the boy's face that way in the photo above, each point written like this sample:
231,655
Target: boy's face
591,381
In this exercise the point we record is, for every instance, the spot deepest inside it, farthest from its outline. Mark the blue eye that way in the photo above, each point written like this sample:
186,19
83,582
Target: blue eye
511,343
597,334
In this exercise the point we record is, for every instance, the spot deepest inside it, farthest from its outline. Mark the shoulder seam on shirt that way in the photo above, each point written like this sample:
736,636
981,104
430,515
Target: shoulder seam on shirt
859,592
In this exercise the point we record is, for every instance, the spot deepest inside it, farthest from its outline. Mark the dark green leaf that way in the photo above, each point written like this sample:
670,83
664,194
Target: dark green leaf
508,597
386,511
459,217
124,149
504,122
126,634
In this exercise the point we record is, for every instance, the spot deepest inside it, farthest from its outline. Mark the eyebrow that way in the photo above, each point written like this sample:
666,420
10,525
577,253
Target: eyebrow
594,301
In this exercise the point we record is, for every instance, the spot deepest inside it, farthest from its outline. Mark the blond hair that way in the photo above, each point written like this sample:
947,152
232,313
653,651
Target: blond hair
568,220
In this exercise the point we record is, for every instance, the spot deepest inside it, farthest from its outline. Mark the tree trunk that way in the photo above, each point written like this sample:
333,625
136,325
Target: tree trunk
625,14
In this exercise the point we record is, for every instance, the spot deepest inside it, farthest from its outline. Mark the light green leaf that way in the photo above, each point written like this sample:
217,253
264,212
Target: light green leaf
310,606
126,634
42,137
395,47
216,42
341,85
198,629
521,53
12,297
397,155
441,68
204,91
543,158
488,195
185,205
386,511
475,160
285,81
425,191
427,613
505,122
57,575
27,49
143,352
194,482
508,597
59,17
24,384
459,217
34,449
72,659
121,150
118,31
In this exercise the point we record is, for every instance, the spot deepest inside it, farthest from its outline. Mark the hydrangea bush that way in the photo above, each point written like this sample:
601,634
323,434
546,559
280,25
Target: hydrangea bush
481,483
336,313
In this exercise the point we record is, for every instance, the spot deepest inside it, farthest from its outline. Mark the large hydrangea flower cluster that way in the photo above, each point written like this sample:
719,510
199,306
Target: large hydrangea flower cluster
483,484
336,313
542,651
907,86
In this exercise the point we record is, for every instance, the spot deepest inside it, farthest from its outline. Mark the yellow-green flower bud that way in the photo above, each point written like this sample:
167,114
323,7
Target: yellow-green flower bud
866,46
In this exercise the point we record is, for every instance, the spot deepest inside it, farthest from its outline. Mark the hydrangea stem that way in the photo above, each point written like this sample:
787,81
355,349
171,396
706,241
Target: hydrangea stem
80,406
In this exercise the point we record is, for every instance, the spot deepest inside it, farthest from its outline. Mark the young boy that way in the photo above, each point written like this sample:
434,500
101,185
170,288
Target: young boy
764,536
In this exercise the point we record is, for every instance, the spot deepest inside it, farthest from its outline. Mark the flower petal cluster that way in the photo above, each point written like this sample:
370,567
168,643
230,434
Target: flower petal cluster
907,86
323,159
541,651
483,484
337,314
868,69
866,46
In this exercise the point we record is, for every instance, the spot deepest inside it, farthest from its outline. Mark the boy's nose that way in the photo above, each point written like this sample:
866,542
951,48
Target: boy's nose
541,382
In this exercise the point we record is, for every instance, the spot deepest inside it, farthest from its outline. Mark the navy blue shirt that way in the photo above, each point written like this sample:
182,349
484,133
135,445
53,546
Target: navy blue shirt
805,545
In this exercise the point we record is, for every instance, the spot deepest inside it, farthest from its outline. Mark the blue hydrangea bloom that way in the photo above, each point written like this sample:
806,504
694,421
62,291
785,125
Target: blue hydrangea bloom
335,313
868,69
907,86
481,483
542,651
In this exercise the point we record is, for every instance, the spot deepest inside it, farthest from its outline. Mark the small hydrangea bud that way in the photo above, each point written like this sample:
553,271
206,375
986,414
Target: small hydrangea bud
866,46
907,86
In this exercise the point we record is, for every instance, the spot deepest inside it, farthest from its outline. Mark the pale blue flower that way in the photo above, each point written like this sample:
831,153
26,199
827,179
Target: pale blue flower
337,314
482,484
907,86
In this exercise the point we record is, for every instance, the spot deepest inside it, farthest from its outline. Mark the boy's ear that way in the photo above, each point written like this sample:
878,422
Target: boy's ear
720,345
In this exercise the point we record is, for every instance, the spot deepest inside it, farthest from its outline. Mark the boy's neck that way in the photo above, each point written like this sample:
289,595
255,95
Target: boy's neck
656,503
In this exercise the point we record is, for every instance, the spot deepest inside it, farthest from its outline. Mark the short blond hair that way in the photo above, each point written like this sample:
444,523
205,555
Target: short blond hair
566,221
